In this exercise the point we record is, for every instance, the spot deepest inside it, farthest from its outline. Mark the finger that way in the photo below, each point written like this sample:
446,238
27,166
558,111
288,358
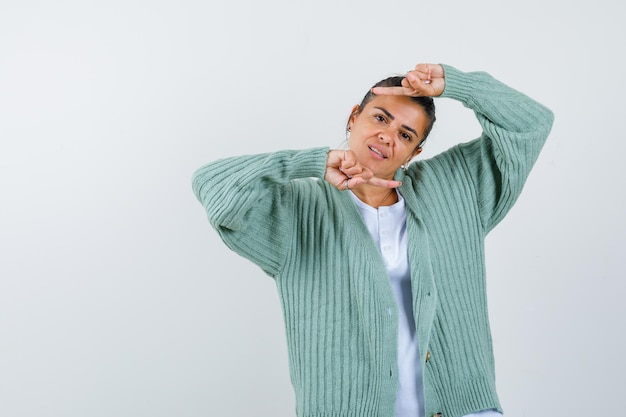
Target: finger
344,184
350,183
432,89
394,91
349,159
334,158
435,70
379,182
353,182
424,75
356,169
423,69
420,85
362,178
350,167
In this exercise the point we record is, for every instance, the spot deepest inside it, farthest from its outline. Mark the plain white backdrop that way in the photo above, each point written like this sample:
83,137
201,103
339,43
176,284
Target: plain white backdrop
118,299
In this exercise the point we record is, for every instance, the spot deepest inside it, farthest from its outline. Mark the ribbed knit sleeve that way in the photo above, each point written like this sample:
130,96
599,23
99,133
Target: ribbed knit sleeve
515,128
248,201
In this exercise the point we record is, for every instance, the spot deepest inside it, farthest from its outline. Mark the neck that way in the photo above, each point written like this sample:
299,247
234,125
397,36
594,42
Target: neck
376,196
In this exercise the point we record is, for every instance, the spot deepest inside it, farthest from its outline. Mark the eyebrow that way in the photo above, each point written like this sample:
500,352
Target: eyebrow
389,115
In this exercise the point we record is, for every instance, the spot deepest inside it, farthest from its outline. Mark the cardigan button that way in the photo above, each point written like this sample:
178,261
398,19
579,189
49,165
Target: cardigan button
427,359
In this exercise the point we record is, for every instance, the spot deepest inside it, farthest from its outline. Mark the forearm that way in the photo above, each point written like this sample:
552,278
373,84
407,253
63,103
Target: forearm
249,202
500,109
230,187
515,128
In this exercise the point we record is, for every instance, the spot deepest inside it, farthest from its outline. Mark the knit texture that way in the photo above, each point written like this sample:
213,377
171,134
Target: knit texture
341,318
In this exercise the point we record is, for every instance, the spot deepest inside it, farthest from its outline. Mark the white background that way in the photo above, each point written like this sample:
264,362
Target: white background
118,299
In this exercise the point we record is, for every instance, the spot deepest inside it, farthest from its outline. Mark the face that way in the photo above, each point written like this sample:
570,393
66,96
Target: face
386,133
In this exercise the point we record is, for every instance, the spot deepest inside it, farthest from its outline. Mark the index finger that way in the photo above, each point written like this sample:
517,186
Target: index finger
379,182
393,91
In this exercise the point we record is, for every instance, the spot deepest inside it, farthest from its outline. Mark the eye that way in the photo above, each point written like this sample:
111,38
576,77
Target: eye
380,118
405,136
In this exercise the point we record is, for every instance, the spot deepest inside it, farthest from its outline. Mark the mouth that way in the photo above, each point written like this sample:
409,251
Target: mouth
377,152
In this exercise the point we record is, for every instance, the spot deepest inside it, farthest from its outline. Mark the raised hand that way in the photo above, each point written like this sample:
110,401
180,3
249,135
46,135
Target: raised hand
424,80
345,172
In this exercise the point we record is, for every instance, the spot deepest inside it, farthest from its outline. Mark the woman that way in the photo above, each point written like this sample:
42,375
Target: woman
380,264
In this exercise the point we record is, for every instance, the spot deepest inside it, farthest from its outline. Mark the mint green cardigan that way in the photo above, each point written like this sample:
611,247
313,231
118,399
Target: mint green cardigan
340,314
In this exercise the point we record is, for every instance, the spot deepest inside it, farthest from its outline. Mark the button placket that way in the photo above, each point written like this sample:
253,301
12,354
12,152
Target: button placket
384,231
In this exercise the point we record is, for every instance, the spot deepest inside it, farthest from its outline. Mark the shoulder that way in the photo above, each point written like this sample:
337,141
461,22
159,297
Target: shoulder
440,166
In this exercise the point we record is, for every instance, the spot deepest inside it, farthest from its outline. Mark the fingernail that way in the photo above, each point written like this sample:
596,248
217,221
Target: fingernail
410,76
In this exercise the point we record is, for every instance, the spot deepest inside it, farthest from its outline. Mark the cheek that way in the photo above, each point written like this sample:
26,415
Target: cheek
409,152
353,141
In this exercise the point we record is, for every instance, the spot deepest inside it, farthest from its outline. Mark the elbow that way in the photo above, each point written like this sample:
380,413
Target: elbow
546,121
549,119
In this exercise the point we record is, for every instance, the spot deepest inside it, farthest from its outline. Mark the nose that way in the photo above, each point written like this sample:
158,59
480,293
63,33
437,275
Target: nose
385,135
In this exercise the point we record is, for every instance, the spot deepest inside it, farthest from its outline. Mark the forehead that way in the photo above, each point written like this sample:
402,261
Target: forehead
400,107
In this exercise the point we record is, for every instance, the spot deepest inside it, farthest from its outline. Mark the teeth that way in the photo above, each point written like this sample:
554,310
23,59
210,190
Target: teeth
377,151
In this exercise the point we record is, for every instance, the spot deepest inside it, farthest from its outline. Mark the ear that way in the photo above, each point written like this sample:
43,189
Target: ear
416,152
353,115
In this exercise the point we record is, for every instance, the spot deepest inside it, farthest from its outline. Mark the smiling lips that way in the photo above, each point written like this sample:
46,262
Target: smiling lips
377,152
